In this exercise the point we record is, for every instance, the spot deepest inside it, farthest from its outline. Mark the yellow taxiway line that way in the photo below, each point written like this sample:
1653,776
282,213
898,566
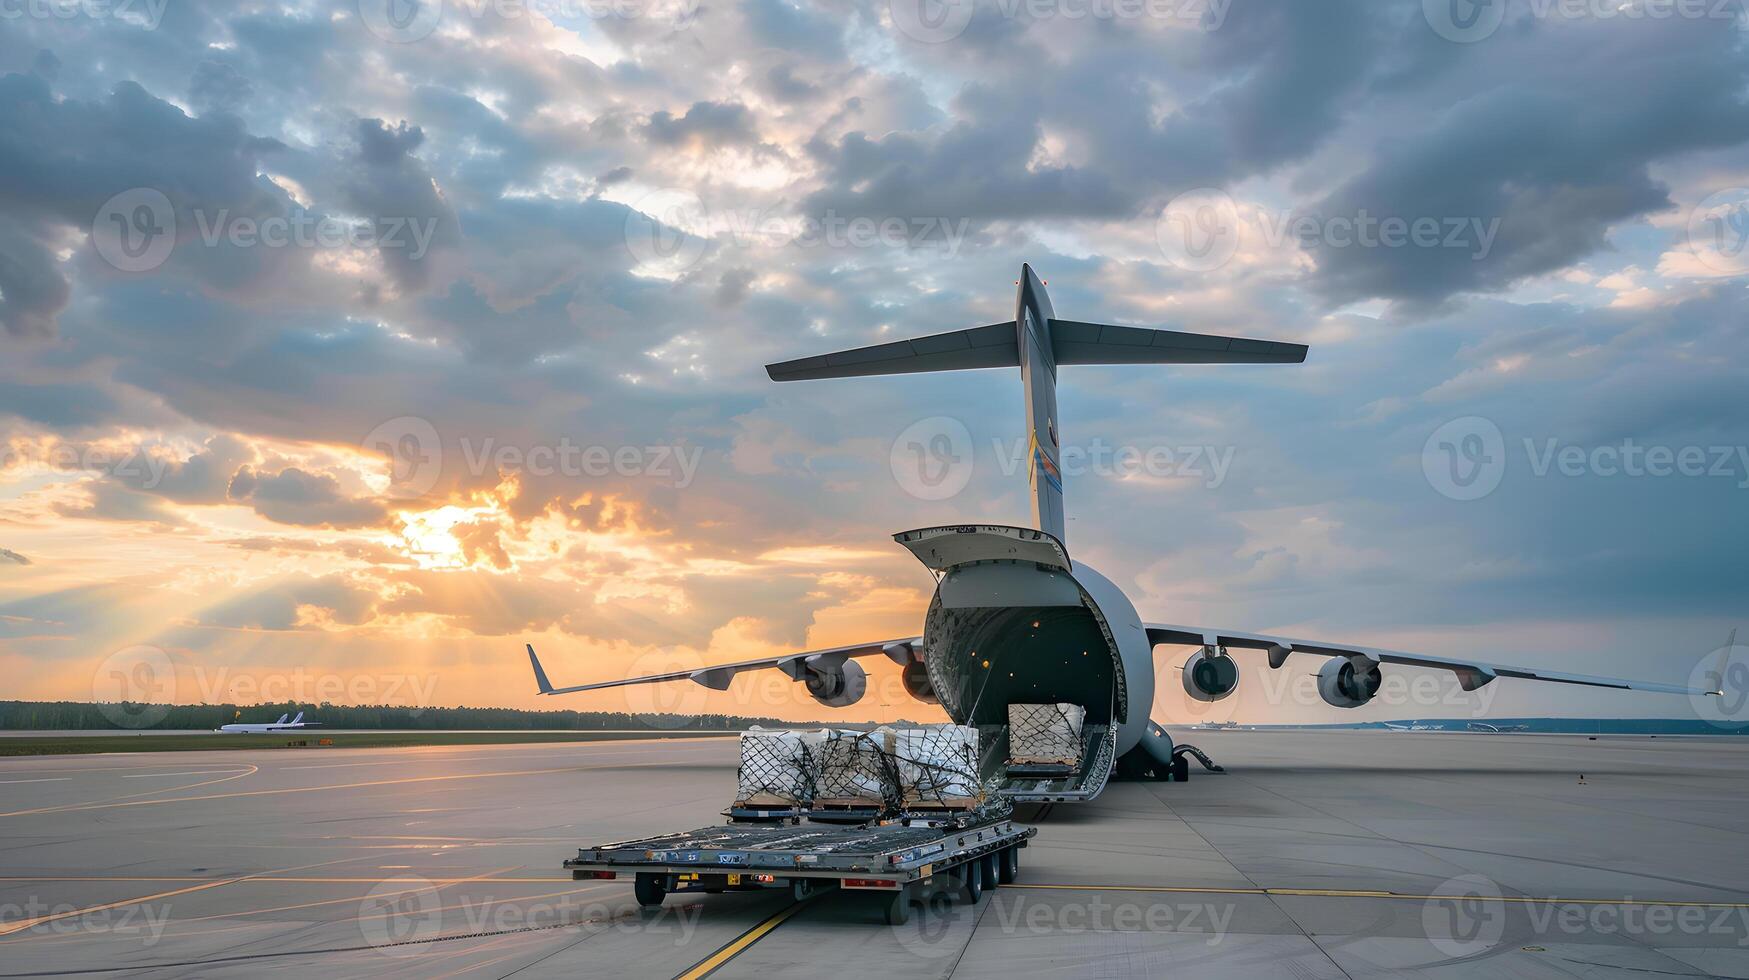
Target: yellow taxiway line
711,963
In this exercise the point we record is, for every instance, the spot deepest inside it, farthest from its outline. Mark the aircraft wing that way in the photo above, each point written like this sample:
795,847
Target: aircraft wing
1472,674
797,665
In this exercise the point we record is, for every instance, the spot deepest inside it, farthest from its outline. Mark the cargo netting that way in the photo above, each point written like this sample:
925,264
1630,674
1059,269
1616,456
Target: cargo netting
1045,734
777,768
856,768
938,766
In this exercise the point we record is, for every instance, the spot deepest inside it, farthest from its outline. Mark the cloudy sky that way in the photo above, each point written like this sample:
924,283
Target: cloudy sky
356,344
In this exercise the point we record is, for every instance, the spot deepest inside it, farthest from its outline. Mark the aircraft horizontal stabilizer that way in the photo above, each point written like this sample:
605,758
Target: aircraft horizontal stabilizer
1071,341
992,346
1074,342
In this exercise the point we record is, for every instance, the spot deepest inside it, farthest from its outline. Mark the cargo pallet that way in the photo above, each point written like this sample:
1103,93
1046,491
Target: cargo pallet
898,859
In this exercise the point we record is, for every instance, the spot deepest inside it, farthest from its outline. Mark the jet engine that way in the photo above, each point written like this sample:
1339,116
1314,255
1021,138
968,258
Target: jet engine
1210,675
918,684
839,686
1349,682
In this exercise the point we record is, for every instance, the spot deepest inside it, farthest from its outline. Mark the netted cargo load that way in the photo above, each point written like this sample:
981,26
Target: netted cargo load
938,766
777,768
1045,734
855,768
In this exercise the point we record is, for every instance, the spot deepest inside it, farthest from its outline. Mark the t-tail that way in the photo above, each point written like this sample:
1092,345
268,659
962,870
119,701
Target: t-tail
1038,343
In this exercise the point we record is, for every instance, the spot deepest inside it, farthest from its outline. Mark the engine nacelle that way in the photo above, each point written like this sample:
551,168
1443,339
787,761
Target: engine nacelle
1347,682
1210,675
838,687
918,684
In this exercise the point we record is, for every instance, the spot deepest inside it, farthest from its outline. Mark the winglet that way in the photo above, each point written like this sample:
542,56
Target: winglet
299,719
540,676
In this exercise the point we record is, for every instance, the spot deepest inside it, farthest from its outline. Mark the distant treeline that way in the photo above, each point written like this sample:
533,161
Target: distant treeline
79,715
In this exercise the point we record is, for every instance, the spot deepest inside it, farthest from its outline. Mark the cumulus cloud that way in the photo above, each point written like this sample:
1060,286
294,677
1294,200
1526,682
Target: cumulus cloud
293,496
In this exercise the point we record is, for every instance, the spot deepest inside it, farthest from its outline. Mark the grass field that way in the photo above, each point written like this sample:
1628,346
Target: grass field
310,741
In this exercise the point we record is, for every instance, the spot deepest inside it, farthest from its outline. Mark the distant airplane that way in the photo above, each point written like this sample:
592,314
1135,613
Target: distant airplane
273,726
1014,621
1414,726
1487,729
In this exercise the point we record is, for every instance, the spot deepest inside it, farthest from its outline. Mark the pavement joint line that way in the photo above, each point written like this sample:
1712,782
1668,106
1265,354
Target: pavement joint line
10,928
735,947
79,807
1367,893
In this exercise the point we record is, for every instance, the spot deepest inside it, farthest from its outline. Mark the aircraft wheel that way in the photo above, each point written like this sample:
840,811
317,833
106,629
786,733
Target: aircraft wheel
992,869
649,890
971,881
1181,769
1009,869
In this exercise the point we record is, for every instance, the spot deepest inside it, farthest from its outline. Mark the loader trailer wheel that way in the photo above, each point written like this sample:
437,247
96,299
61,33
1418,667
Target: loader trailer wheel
898,907
649,889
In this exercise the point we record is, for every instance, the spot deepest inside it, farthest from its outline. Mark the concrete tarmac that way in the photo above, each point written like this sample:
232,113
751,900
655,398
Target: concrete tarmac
1320,854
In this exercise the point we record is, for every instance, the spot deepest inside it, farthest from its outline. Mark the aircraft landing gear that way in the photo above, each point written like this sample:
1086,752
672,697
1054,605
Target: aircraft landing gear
1179,761
1156,757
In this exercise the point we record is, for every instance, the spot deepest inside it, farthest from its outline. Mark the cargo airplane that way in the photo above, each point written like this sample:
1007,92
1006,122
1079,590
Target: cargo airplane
270,726
1015,620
